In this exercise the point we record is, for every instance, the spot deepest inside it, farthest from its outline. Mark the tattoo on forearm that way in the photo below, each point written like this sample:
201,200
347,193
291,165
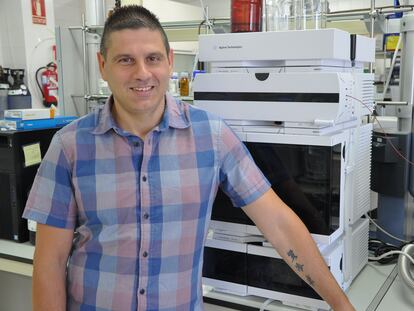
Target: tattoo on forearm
300,267
292,255
310,281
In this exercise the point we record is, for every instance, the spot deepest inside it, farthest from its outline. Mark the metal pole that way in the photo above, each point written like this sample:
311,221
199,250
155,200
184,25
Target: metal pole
86,85
371,66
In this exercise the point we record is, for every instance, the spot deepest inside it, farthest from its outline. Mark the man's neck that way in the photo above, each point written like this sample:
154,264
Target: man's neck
139,124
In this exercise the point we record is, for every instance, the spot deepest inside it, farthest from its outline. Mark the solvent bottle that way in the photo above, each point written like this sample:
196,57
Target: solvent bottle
184,84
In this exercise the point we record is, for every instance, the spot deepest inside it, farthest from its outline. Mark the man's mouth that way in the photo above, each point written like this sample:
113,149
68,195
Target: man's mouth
142,89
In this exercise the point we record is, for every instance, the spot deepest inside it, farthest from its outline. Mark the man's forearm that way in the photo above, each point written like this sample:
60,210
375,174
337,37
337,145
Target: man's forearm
301,253
49,287
287,233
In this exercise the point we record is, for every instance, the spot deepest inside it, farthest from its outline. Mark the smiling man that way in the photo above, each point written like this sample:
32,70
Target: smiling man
123,196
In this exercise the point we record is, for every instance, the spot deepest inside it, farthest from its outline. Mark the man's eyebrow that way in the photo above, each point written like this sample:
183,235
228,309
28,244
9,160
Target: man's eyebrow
157,54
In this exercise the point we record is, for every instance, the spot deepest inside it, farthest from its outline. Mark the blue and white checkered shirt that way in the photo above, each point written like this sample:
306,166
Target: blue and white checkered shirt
141,207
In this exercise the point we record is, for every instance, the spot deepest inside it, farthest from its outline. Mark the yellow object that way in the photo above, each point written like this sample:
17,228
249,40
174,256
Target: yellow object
184,84
391,42
32,154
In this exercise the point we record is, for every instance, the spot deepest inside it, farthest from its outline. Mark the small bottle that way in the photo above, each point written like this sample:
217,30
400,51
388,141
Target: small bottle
184,84
173,85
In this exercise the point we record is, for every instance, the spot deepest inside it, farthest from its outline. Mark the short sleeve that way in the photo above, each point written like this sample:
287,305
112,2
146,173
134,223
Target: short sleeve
240,178
51,199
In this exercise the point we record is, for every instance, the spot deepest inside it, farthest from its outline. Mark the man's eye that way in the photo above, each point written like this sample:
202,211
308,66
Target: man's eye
126,60
154,59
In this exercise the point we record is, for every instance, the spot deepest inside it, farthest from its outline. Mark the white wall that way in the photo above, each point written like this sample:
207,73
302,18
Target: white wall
68,12
24,44
11,35
218,8
168,11
39,40
27,45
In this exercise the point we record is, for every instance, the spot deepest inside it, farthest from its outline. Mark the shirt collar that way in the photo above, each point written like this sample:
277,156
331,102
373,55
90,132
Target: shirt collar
174,116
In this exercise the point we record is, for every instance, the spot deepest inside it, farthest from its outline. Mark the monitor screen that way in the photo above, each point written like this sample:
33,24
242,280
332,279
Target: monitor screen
306,178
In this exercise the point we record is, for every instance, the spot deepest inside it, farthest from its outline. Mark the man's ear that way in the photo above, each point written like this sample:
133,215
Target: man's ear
171,60
101,62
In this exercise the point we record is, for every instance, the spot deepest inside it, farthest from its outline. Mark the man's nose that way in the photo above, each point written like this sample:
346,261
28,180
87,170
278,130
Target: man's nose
141,71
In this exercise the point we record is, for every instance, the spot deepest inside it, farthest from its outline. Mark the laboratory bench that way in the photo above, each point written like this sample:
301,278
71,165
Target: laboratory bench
377,287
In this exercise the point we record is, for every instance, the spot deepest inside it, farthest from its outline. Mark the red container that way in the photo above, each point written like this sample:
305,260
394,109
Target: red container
246,15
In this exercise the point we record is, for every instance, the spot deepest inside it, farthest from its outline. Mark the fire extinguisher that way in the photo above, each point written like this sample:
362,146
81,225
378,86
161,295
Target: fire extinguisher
48,84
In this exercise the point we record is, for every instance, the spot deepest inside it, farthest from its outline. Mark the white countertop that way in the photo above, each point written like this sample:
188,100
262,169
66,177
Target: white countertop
377,287
20,250
16,257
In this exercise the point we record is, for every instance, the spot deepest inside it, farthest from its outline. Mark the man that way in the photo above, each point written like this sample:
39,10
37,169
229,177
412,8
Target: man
136,181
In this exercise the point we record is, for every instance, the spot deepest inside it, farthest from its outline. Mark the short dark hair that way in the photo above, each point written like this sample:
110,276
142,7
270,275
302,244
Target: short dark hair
131,17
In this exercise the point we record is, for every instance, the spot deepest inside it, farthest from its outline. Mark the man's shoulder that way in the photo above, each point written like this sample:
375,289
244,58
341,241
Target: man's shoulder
78,130
85,123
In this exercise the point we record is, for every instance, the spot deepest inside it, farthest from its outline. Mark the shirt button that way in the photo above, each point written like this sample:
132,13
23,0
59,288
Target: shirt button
145,254
142,291
136,143
146,216
144,178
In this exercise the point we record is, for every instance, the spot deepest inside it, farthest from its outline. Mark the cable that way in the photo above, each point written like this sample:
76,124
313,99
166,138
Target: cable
392,253
383,230
266,303
378,248
386,253
383,132
405,268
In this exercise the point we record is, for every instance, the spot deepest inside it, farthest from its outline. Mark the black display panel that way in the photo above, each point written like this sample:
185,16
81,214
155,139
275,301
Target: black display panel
307,178
225,265
275,275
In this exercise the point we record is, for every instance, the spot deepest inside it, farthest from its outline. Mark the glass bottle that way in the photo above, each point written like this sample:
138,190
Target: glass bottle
280,15
285,15
184,84
173,85
315,13
246,15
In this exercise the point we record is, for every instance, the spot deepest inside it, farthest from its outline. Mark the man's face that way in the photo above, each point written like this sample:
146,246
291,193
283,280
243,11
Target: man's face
137,69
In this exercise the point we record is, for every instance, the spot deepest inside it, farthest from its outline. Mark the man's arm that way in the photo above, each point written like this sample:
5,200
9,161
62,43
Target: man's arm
49,268
289,236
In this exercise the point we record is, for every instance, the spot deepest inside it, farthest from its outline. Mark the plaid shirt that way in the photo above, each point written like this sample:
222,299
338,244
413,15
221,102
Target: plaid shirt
141,208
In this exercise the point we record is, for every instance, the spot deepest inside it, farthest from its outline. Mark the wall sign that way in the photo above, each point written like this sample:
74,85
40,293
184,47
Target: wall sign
38,12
